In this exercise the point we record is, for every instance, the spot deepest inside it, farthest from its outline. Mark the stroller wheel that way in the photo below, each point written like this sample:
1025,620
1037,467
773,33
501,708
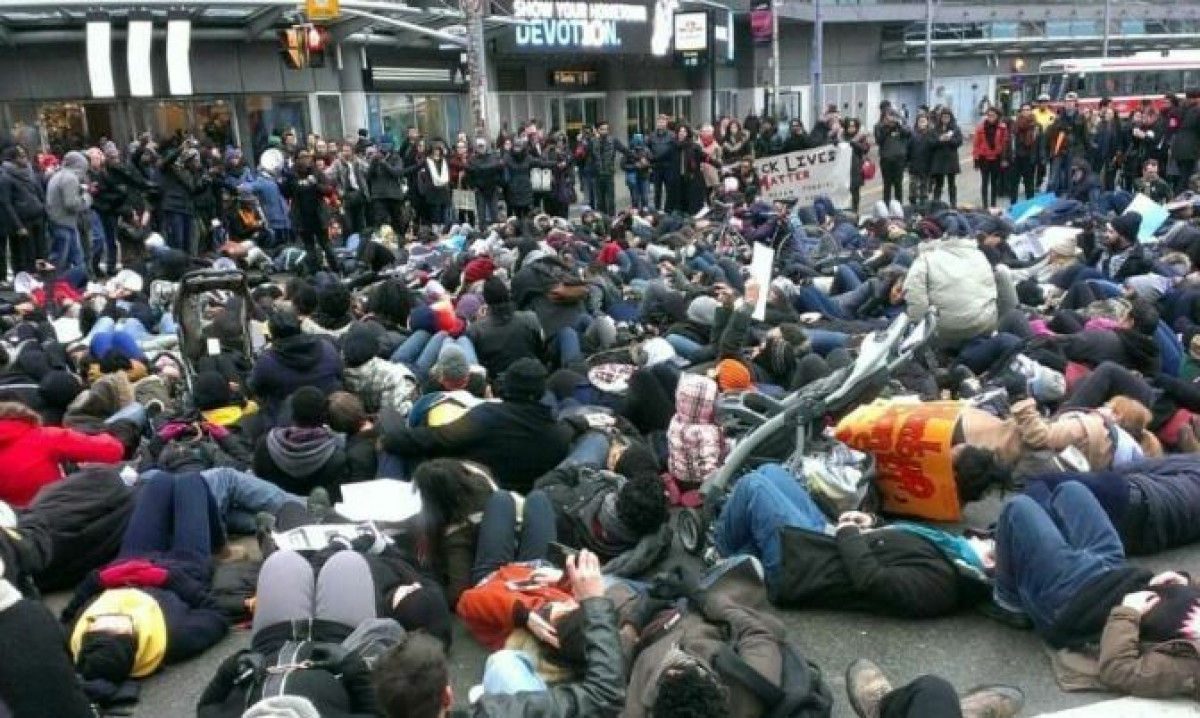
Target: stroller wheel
692,527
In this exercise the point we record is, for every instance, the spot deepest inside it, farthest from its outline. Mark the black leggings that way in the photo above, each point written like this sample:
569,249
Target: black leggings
926,697
1164,395
951,184
991,179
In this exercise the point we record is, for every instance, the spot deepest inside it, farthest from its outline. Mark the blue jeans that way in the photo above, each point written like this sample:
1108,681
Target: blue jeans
240,496
591,449
764,502
569,341
685,347
174,515
499,544
486,209
429,355
410,349
825,341
1045,554
510,672
179,231
637,192
66,252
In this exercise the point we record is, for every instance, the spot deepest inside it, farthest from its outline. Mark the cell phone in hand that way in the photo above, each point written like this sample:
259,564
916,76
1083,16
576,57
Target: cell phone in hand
557,554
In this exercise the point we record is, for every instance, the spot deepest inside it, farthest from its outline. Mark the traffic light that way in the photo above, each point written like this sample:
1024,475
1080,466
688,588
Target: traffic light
303,46
316,38
291,47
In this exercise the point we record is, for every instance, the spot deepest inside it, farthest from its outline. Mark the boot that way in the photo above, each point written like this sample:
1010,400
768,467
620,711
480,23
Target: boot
992,702
319,504
866,685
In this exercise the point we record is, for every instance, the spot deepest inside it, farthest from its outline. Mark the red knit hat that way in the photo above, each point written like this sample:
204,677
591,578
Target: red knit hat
478,270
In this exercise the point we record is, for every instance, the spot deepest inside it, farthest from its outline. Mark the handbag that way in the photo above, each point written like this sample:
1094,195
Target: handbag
463,200
868,170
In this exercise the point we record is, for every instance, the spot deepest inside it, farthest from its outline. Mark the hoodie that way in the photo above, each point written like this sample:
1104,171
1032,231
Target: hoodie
32,456
299,459
66,198
694,441
293,362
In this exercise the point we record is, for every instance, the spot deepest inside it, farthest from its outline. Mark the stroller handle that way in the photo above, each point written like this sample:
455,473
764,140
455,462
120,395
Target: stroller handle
883,351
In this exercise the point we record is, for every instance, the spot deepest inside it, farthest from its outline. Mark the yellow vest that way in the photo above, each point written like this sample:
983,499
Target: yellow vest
148,625
1044,118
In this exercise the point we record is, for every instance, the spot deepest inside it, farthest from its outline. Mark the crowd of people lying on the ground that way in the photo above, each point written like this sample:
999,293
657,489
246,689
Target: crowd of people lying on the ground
551,390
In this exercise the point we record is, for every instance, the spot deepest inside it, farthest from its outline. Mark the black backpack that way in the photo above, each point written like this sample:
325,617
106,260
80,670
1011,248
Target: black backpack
804,694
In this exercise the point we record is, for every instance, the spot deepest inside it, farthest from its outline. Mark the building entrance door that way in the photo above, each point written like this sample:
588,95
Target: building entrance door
581,111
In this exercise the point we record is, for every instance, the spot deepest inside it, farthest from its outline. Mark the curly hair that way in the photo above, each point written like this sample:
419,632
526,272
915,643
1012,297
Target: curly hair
689,692
642,503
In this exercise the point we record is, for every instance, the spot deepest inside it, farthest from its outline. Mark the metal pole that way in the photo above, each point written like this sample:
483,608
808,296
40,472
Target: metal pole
929,53
775,5
1107,24
477,82
818,63
712,68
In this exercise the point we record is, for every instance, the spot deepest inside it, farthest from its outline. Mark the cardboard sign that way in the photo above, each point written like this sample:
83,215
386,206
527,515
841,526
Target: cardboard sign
806,175
762,264
1153,216
911,443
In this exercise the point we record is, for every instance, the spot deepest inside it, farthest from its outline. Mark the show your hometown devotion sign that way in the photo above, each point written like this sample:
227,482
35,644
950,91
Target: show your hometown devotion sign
552,24
807,174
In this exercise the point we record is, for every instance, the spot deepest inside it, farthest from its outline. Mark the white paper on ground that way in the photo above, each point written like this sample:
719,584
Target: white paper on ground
1131,708
379,500
317,536
761,264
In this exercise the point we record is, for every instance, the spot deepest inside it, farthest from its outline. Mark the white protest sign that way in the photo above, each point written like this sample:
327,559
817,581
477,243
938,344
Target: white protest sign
807,174
762,263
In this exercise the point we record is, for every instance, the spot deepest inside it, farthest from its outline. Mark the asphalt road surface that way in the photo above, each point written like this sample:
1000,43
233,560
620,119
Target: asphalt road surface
967,649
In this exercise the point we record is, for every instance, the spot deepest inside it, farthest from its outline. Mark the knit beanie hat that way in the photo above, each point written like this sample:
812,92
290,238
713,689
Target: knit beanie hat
283,707
703,310
452,367
495,291
1128,225
210,391
524,380
106,656
421,318
358,348
468,306
733,375
478,269
310,408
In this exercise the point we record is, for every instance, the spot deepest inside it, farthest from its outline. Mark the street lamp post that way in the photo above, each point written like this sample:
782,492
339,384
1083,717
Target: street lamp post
477,80
1107,24
929,53
818,65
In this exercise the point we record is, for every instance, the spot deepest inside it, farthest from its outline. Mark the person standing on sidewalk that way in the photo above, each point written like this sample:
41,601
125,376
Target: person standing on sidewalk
659,142
990,153
893,139
603,150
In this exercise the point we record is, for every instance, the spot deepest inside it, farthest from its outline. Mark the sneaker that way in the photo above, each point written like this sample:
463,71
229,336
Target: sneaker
992,702
866,685
1000,614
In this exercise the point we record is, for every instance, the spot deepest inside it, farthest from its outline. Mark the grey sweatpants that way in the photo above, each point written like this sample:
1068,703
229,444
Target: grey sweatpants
343,593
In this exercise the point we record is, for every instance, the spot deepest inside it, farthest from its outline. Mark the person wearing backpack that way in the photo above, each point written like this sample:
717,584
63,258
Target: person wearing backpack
872,696
727,657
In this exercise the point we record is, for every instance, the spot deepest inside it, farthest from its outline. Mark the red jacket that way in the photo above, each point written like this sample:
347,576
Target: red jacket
997,150
31,454
490,609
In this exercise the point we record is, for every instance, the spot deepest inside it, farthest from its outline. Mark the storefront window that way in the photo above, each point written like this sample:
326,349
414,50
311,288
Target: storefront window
22,125
64,125
331,117
214,122
267,116
436,116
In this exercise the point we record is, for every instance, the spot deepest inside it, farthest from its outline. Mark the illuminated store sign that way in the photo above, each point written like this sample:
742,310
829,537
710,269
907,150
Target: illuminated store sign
556,26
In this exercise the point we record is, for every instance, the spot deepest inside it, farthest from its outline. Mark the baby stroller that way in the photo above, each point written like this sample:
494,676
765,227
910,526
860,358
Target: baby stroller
199,293
791,430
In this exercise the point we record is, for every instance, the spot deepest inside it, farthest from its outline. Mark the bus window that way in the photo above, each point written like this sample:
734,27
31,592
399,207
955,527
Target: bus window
1056,88
1189,78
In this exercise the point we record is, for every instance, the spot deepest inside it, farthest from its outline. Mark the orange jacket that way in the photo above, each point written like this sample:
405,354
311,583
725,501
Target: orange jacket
489,609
